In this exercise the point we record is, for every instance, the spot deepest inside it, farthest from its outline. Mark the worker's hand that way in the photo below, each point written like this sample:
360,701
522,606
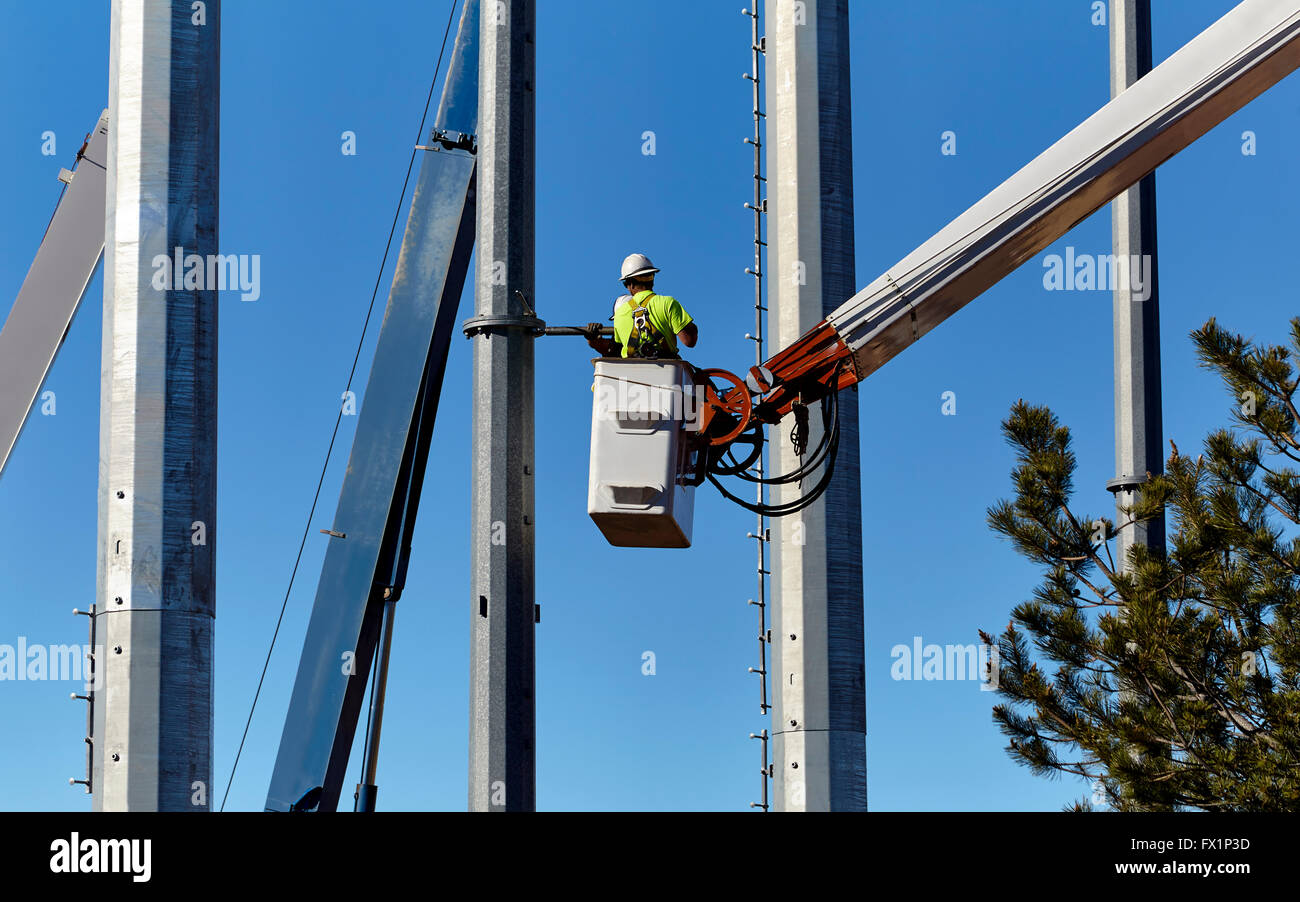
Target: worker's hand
595,341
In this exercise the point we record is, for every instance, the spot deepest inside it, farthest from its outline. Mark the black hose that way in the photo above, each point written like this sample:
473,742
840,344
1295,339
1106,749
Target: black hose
790,507
826,453
830,412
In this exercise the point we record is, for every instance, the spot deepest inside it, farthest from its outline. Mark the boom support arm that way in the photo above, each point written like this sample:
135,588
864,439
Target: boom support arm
65,263
1236,59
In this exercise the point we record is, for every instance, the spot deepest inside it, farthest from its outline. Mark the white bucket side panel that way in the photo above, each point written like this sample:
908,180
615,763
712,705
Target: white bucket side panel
640,411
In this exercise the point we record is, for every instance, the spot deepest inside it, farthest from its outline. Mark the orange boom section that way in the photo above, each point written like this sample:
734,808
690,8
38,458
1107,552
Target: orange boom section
814,366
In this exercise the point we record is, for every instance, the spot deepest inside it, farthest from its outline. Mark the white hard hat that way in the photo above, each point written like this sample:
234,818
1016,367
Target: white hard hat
636,265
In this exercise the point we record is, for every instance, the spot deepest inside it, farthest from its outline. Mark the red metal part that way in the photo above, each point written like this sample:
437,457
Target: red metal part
735,401
805,370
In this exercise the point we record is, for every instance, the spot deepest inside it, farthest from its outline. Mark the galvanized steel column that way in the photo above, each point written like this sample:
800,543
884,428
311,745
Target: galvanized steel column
819,711
158,413
502,765
1139,442
364,572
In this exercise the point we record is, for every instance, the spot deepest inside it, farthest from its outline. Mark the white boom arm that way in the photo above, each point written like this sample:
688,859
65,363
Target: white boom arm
1249,50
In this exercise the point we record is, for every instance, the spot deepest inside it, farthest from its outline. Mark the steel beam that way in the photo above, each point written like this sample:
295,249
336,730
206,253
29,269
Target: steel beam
819,709
158,414
1139,437
502,760
370,542
65,262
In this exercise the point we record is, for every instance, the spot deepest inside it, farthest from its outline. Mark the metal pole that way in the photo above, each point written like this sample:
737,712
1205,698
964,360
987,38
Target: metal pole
1139,441
502,763
158,412
368,788
819,711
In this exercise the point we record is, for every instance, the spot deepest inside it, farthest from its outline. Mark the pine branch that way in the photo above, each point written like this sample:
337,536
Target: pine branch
1196,733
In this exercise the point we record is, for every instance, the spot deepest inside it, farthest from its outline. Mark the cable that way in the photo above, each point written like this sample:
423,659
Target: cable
811,466
339,420
831,441
789,507
826,454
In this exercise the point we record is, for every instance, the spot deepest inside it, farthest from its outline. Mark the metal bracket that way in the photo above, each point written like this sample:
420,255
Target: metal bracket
603,332
1124,483
503,323
450,140
89,699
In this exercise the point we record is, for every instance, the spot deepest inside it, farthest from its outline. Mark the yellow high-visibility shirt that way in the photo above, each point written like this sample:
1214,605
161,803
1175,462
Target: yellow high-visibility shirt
665,314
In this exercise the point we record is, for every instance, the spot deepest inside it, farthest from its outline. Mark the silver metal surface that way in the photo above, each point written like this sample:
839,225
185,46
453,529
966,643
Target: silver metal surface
158,415
380,495
819,702
1139,437
502,758
368,789
65,262
1254,46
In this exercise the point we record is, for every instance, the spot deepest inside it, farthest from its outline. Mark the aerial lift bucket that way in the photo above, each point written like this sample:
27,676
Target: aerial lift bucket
645,456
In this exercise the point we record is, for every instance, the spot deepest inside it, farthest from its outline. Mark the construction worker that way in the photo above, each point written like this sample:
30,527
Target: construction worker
645,324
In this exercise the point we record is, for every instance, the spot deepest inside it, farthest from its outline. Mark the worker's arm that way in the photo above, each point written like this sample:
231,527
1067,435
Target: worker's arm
606,347
689,335
681,322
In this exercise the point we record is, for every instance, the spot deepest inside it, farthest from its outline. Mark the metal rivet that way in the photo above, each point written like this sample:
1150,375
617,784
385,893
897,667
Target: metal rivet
117,757
117,600
792,637
117,649
121,494
794,764
794,723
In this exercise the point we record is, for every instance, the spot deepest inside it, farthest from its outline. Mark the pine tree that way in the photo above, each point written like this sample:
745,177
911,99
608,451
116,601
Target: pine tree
1172,684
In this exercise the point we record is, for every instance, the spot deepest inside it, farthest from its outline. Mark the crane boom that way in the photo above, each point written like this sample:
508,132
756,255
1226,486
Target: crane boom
1236,59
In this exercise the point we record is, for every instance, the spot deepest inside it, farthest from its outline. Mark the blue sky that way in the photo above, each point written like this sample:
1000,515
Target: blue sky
1008,77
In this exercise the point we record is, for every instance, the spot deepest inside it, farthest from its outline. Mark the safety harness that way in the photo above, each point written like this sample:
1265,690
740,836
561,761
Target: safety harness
645,340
